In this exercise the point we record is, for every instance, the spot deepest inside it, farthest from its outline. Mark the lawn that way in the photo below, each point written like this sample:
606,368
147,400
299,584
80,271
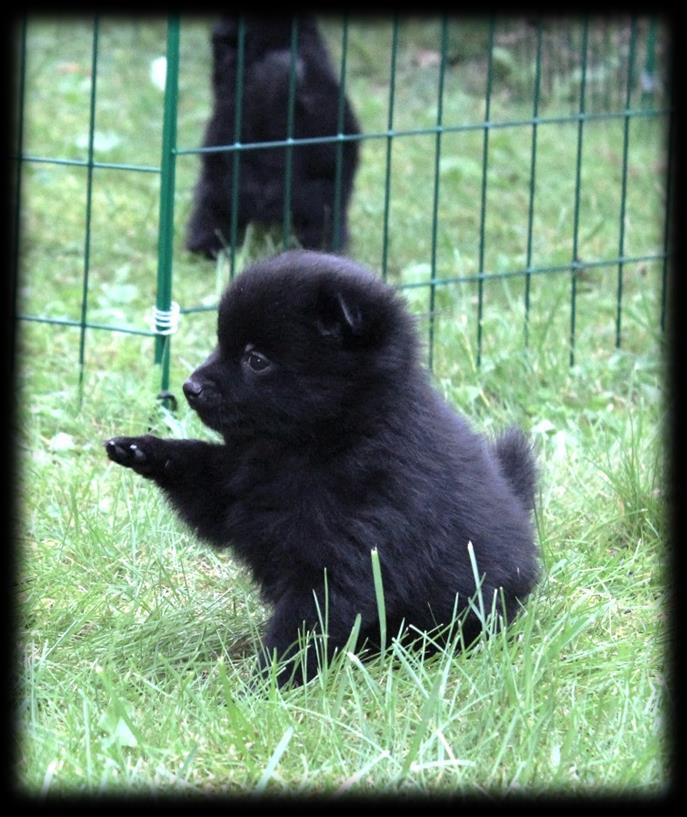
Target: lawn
137,642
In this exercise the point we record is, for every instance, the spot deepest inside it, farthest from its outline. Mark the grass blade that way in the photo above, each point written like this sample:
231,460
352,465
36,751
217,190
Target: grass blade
379,594
274,760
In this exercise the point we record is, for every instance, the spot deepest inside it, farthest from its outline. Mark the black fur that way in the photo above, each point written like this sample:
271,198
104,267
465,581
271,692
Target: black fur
334,443
264,118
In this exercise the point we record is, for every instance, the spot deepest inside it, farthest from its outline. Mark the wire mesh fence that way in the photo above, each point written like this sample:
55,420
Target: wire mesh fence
513,178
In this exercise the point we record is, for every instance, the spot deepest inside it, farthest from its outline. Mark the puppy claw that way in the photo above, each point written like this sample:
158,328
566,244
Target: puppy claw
114,451
136,453
124,453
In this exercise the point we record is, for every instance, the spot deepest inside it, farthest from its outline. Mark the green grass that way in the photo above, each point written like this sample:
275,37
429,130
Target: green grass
137,642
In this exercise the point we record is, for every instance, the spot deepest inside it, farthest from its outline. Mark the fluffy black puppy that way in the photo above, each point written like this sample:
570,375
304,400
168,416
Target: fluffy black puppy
335,443
264,117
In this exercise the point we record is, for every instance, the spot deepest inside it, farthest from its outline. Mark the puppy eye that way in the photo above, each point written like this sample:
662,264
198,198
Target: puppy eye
255,361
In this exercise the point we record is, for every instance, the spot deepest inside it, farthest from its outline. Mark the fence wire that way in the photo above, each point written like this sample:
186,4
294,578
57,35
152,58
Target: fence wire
475,101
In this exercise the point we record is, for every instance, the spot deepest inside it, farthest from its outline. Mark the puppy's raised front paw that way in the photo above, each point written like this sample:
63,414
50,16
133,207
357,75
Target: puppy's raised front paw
131,452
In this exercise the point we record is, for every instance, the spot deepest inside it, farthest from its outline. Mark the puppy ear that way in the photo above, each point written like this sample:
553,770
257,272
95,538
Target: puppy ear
338,316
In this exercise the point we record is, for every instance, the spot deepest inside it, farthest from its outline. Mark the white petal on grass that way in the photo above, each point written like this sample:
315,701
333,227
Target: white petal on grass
544,426
53,766
158,72
122,735
561,445
440,764
61,442
353,658
355,778
103,141
41,457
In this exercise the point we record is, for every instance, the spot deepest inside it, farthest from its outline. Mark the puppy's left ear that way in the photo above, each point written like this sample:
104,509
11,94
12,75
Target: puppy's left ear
339,316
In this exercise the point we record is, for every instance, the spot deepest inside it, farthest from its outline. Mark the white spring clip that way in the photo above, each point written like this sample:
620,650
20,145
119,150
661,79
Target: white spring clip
166,321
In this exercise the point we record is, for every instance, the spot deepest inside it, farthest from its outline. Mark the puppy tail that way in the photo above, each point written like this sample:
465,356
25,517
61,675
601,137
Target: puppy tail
516,459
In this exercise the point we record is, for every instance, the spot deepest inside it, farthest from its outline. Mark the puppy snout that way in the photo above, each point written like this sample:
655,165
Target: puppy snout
192,389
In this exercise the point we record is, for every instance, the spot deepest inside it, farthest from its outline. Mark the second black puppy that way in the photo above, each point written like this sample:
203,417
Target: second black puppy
319,221
334,443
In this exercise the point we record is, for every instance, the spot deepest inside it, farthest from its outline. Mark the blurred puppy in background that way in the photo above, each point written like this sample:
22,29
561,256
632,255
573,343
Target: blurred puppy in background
319,221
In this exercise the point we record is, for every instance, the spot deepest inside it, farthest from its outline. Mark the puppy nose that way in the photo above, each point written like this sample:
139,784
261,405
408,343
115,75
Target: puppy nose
192,389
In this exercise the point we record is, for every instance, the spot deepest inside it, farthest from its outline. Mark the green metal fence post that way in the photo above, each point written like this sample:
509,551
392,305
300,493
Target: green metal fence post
288,170
667,227
16,226
575,266
389,141
164,304
336,217
89,203
607,50
648,74
533,174
483,209
236,157
437,178
623,194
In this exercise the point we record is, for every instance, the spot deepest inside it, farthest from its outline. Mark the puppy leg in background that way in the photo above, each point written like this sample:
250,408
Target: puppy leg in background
313,215
212,207
188,471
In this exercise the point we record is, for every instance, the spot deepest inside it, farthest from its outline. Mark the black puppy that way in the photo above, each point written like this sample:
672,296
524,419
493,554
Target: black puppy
264,116
336,443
